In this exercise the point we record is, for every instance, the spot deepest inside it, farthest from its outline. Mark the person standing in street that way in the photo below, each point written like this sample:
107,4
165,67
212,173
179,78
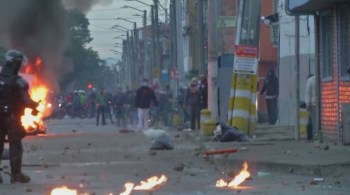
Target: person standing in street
310,100
193,103
144,97
14,98
101,103
271,91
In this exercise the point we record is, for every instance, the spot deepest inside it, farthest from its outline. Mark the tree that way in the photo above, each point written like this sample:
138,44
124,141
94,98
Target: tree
87,65
2,54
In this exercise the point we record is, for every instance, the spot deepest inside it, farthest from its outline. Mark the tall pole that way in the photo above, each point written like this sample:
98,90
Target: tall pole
157,44
213,6
174,63
136,52
154,65
297,77
200,36
144,18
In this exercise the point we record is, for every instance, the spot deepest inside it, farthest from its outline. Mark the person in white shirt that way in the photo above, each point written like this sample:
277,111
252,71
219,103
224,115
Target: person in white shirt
310,99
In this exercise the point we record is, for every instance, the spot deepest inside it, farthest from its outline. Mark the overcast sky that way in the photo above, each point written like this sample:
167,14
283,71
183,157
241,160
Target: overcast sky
102,18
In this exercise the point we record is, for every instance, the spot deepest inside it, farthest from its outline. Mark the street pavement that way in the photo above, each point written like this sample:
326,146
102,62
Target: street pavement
274,148
100,160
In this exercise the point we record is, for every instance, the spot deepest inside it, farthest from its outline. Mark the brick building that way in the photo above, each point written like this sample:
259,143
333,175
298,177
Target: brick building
332,20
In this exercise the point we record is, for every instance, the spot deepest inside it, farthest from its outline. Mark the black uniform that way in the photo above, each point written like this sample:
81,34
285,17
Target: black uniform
14,98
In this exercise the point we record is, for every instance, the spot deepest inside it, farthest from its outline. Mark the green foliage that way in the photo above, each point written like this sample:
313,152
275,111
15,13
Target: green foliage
87,65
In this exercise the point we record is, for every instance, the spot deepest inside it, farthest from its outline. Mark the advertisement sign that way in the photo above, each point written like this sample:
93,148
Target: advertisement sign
246,60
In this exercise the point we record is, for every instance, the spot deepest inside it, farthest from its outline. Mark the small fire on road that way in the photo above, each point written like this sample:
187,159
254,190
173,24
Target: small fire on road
238,179
150,184
39,93
64,190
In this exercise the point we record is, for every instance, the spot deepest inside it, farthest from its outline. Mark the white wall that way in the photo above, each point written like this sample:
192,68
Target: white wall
287,100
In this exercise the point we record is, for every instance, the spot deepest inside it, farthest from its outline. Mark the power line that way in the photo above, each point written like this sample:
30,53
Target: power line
113,9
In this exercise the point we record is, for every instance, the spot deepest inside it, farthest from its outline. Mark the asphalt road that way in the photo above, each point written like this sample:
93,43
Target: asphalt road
100,160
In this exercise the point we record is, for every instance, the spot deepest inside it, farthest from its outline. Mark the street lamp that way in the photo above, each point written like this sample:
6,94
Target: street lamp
143,11
124,20
118,38
115,51
139,2
118,26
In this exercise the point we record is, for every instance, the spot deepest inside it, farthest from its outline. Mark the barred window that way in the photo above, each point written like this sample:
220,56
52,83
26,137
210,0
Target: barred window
327,45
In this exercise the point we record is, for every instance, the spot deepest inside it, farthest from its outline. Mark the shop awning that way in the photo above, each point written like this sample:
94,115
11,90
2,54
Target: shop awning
310,6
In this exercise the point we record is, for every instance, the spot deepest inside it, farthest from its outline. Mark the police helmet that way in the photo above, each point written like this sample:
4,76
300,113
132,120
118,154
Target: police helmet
15,58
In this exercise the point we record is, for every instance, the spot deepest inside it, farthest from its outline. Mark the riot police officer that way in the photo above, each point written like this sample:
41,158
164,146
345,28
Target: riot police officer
14,98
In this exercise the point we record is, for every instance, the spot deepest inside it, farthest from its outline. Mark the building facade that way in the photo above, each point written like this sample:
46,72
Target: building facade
332,20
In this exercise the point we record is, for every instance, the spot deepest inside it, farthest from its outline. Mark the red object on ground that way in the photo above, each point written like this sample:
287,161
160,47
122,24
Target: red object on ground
222,151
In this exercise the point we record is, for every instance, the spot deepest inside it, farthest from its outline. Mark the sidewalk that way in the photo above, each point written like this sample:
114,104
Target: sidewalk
275,150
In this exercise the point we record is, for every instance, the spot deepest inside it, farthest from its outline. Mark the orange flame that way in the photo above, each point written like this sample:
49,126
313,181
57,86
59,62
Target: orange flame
128,189
38,92
150,184
63,191
240,178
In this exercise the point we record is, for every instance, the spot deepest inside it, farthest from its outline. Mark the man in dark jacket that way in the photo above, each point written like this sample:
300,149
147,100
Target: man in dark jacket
14,98
271,92
193,103
144,97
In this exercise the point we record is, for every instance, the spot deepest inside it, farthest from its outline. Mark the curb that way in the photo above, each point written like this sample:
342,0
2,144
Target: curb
319,170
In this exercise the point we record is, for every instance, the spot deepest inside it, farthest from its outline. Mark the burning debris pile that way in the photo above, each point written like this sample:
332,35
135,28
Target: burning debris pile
151,184
237,180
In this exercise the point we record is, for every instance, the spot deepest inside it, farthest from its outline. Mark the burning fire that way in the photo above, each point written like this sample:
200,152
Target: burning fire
240,178
38,92
150,184
63,191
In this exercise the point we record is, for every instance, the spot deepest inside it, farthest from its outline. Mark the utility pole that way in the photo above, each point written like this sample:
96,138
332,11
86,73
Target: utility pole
154,66
144,18
200,36
157,43
213,6
136,53
174,62
297,77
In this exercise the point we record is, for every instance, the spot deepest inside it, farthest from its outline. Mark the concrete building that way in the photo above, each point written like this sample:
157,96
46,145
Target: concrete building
286,69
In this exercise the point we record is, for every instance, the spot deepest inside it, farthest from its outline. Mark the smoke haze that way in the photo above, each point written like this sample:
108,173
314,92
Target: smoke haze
84,5
38,28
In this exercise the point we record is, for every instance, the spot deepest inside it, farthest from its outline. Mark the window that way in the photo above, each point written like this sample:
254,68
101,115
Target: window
327,47
344,41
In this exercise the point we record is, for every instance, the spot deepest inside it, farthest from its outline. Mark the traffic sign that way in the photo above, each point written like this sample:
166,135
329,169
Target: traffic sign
226,21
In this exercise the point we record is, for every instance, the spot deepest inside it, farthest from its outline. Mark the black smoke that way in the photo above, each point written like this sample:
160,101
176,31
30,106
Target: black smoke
39,29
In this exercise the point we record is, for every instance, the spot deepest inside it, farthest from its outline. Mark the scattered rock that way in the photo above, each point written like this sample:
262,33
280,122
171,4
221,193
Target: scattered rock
152,153
193,174
337,182
313,183
74,130
291,170
326,147
126,156
179,167
66,148
177,135
28,189
89,144
285,183
63,177
49,177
